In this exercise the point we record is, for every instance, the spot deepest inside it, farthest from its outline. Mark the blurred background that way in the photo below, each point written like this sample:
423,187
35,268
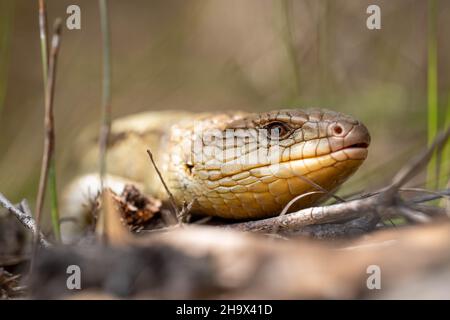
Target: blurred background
201,55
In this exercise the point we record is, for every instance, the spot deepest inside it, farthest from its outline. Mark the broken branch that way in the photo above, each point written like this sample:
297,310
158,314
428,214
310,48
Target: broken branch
24,216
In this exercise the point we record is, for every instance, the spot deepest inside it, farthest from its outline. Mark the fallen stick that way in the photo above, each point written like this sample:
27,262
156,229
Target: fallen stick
316,215
24,216
348,229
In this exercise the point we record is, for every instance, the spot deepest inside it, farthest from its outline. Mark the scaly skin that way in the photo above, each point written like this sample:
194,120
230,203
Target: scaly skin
251,177
247,175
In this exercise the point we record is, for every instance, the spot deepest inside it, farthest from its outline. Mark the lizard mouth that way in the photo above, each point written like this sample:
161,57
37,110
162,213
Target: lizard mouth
362,145
356,144
357,138
356,151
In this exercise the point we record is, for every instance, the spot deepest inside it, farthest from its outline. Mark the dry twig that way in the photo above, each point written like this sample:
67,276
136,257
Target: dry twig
24,216
317,215
171,198
49,142
43,31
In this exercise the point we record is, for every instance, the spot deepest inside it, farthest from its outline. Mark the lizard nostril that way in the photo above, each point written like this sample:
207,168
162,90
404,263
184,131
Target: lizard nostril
337,129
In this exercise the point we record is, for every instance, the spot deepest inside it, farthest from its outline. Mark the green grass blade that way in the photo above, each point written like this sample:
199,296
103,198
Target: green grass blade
432,176
54,200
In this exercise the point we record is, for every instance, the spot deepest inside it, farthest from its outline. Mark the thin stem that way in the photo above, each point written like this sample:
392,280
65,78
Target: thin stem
171,198
105,127
54,199
49,142
43,32
106,88
320,188
432,90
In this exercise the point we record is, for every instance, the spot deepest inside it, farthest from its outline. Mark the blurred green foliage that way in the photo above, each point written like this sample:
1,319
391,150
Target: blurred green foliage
6,16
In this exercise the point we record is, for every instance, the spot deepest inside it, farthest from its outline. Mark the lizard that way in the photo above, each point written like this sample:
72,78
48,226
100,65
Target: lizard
235,165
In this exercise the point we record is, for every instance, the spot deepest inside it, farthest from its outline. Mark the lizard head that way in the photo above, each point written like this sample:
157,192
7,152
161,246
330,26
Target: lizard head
252,165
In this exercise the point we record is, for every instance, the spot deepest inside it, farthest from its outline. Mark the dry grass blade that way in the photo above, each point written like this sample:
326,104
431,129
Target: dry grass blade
322,189
425,191
433,212
433,196
10,285
290,203
171,198
49,142
413,215
43,32
105,128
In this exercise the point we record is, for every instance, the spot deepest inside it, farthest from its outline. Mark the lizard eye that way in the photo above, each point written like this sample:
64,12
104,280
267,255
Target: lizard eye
277,130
